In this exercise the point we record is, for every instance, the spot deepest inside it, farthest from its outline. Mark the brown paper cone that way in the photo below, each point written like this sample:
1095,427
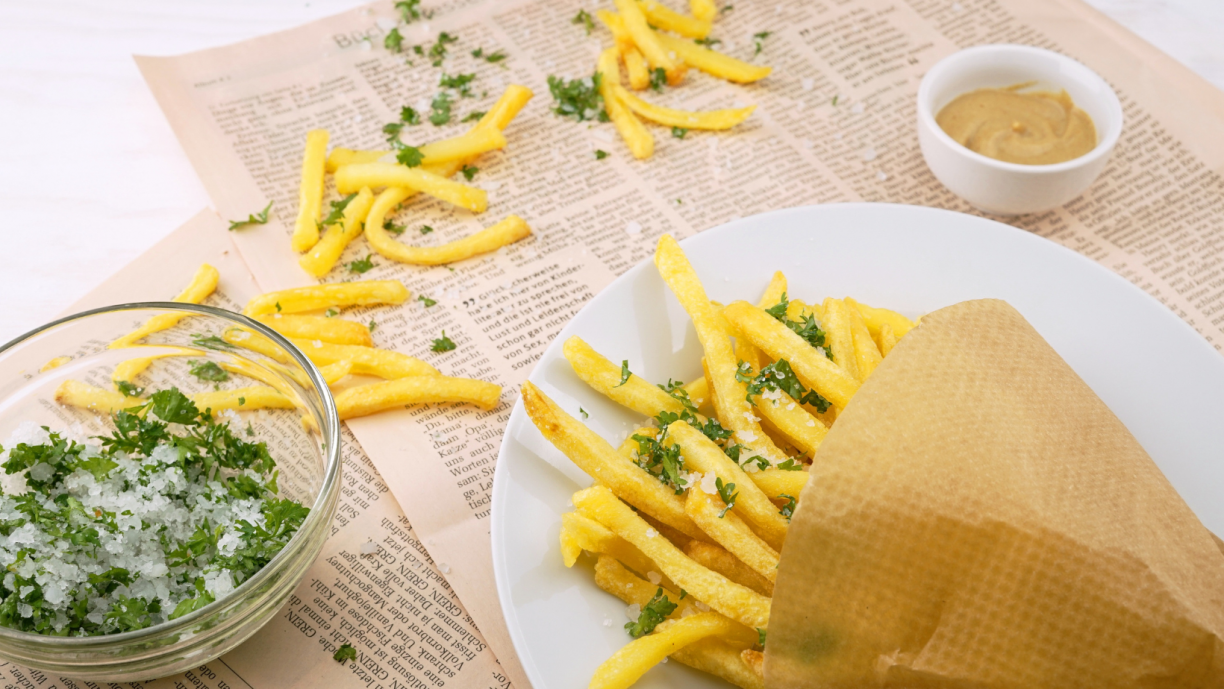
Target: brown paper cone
979,518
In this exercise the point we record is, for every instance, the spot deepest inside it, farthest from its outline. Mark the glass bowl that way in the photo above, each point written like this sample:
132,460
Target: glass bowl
303,438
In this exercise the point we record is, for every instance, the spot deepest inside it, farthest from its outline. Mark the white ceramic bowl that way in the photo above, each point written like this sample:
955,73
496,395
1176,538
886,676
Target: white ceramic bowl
1003,188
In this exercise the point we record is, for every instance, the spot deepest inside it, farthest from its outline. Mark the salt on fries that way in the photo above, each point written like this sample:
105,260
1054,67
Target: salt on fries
711,496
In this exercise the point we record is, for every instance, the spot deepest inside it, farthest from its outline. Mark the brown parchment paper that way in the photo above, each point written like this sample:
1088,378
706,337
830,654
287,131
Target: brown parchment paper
979,518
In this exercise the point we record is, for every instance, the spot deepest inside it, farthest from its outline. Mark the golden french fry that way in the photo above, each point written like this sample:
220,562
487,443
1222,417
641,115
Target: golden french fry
352,178
779,342
482,138
866,354
339,157
605,377
242,399
512,100
730,394
648,41
603,463
332,373
77,394
717,559
720,659
838,339
876,318
54,363
634,659
241,337
888,339
369,361
202,284
310,197
701,454
685,119
611,576
797,310
736,602
629,446
729,531
774,291
322,328
320,259
570,548
508,231
594,537
754,660
669,20
364,400
699,392
711,62
796,424
639,141
614,23
319,297
126,371
635,67
704,10
775,482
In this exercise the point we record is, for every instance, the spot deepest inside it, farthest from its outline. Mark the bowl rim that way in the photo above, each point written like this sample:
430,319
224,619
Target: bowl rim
926,117
331,477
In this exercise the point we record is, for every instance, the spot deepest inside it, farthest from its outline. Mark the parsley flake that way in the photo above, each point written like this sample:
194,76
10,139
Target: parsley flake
726,491
438,51
835,100
427,301
394,229
791,464
469,171
426,229
779,376
213,342
373,325
708,41
409,155
600,154
807,328
362,265
443,344
758,39
761,636
789,508
337,211
578,98
394,41
474,116
585,415
624,373
260,218
679,132
459,82
652,614
491,58
129,389
331,312
409,11
346,650
658,78
584,18
410,115
440,109
208,370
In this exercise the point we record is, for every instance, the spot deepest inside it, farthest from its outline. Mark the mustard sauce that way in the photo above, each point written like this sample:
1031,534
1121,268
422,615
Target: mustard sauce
1017,126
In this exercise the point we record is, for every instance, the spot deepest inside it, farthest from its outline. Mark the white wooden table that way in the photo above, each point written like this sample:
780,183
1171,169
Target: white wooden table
91,175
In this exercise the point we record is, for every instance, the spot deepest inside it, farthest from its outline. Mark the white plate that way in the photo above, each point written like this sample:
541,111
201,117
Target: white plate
1155,372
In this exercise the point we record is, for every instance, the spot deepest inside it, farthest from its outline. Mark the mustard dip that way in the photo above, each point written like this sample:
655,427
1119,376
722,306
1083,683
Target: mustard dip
1015,126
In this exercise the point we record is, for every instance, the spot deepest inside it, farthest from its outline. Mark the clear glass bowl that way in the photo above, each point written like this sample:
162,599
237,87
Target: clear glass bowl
304,441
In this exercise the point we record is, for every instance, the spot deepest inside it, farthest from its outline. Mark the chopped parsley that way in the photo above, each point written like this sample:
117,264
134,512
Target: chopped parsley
661,459
584,18
129,389
578,98
474,116
440,109
346,650
469,171
410,10
409,155
426,229
679,132
438,50
600,154
331,312
337,211
778,376
761,633
278,307
241,401
585,415
491,58
658,78
835,99
443,344
394,229
214,342
788,509
726,491
758,39
394,40
624,373
260,218
362,265
791,464
807,328
707,41
726,8
392,130
208,371
373,325
428,302
652,614
460,82
409,115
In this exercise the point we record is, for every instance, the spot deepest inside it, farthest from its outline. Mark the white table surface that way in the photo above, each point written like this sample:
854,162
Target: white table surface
91,174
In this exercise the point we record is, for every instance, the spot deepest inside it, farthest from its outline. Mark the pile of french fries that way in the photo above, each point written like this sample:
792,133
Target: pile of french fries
689,515
361,172
651,37
308,317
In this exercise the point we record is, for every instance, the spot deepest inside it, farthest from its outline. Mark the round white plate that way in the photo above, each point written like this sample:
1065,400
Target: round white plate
1153,370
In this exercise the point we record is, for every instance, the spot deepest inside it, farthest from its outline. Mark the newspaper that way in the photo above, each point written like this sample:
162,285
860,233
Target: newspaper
393,604
835,122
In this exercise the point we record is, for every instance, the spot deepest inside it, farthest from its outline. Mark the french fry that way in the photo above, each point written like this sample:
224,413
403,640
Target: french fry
319,297
629,446
611,576
605,377
888,339
752,505
352,178
364,400
711,62
797,425
126,371
704,10
755,660
774,291
634,659
639,141
77,394
733,409
333,373
511,102
202,284
54,363
508,231
797,310
729,531
263,374
669,20
717,559
775,482
245,399
686,119
601,462
838,339
866,354
614,23
339,157
368,361
322,257
635,67
470,144
720,659
310,196
593,537
875,318
241,337
648,42
736,602
699,392
779,342
322,328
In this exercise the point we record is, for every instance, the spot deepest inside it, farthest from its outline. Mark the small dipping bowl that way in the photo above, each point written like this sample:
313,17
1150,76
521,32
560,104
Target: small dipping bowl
1003,188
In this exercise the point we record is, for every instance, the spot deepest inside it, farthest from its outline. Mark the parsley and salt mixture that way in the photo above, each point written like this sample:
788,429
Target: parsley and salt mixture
111,534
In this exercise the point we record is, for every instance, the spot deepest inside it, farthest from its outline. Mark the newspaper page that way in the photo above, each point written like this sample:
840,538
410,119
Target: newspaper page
835,122
392,604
